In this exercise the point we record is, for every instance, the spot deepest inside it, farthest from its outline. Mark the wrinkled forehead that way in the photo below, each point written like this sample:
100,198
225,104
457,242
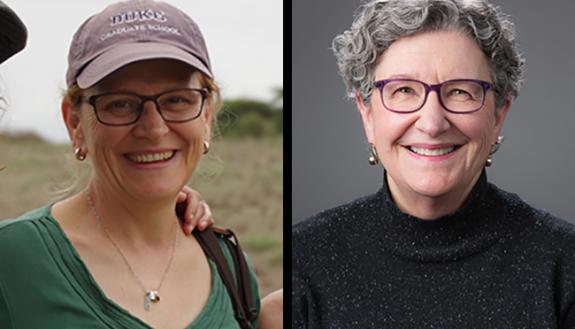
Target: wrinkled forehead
446,54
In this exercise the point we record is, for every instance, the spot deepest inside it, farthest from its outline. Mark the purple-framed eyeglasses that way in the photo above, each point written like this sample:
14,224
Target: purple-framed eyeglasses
455,96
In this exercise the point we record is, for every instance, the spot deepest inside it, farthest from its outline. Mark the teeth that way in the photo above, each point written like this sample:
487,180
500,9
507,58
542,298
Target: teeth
433,152
144,158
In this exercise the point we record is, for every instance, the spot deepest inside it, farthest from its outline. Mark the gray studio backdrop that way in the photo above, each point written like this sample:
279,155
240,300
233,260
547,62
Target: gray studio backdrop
329,151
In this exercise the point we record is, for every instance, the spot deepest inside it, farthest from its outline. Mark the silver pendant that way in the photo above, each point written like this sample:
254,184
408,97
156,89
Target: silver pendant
152,297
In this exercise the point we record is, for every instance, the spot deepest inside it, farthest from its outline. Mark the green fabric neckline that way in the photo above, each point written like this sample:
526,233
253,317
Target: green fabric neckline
78,275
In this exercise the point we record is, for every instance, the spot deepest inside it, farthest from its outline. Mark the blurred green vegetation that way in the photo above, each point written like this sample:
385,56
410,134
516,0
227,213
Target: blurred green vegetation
241,118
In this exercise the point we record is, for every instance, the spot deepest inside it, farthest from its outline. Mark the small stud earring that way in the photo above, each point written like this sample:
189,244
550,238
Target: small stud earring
489,161
494,148
79,155
206,147
373,158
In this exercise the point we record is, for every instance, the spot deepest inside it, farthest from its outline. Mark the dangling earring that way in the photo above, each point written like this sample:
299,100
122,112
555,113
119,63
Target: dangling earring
206,147
79,155
494,149
373,158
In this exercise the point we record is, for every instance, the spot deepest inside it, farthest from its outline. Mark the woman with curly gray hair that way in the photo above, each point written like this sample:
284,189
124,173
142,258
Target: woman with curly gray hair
438,246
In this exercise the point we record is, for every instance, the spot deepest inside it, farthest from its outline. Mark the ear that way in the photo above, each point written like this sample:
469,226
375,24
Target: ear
73,124
501,114
366,117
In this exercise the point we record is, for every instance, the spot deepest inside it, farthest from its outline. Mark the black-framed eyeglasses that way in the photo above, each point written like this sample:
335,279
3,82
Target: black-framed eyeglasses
123,108
456,96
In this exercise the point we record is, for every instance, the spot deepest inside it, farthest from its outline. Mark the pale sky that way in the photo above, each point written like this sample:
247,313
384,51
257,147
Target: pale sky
244,38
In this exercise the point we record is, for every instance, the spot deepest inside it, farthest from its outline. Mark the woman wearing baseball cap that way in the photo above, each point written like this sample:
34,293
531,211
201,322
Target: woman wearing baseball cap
139,107
13,37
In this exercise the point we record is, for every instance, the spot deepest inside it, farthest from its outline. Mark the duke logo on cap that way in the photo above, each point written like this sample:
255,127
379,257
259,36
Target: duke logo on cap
131,31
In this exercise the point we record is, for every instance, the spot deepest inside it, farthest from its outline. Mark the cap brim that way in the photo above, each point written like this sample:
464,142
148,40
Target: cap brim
13,33
125,54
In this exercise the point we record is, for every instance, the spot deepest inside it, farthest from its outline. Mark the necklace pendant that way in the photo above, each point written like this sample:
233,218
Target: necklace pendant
152,297
147,303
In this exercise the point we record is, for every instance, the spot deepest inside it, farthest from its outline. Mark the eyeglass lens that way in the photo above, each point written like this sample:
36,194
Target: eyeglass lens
123,108
409,95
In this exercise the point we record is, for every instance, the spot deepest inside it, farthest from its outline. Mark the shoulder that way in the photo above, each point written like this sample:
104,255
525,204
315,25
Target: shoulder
12,229
319,240
539,228
332,223
227,244
21,240
543,244
233,254
227,247
554,234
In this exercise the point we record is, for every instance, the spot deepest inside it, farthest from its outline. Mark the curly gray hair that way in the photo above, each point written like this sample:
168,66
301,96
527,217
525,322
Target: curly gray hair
381,22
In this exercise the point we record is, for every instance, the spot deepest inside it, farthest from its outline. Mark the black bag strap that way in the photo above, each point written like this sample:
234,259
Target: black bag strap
241,265
239,292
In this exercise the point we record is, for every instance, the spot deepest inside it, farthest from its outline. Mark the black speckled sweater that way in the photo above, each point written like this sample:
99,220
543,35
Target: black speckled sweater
495,263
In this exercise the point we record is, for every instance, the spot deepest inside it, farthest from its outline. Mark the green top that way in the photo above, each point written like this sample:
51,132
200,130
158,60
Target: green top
45,284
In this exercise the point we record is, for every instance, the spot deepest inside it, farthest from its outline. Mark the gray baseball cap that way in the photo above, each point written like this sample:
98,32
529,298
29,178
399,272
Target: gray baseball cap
131,31
13,33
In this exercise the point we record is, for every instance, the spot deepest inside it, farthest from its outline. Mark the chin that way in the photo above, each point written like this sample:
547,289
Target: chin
432,186
154,192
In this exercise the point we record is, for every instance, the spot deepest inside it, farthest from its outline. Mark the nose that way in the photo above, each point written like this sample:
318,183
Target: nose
432,118
150,125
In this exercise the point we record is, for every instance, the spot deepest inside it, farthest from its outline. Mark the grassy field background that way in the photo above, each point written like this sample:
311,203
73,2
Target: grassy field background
242,181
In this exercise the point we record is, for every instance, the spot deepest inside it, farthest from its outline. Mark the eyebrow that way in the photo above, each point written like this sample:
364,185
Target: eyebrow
398,76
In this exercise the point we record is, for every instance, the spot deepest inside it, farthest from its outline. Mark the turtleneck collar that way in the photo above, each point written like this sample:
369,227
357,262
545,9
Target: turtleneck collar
475,226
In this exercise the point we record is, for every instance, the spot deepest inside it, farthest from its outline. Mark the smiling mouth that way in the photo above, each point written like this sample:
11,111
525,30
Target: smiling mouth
151,157
432,152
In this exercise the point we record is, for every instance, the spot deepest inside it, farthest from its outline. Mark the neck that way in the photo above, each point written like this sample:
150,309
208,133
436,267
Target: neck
428,207
135,222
